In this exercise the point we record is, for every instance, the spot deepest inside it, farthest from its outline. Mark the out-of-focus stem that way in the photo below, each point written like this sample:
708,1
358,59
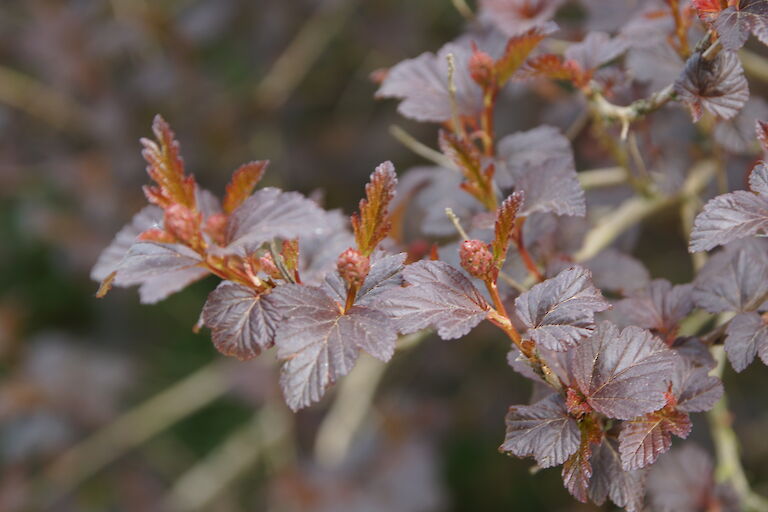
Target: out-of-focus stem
597,178
729,468
421,149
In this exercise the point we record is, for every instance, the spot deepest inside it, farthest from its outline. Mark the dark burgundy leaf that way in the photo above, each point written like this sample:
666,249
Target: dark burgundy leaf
683,480
542,430
732,216
738,134
242,320
514,17
736,22
385,273
643,439
320,344
617,272
577,470
694,389
609,480
560,311
735,279
438,295
271,213
623,374
717,85
533,147
746,337
422,85
160,269
660,306
597,49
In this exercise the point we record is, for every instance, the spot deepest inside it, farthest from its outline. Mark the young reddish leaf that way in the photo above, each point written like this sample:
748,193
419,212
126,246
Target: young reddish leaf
596,50
371,224
438,295
556,68
242,320
732,216
166,168
734,280
734,24
746,337
623,374
643,439
505,226
160,269
717,85
469,160
610,480
320,343
708,10
517,50
422,84
184,225
106,285
577,470
516,17
271,213
543,430
659,307
243,181
561,311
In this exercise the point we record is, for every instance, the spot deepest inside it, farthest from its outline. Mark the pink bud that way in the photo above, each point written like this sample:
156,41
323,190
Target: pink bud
477,259
353,267
481,68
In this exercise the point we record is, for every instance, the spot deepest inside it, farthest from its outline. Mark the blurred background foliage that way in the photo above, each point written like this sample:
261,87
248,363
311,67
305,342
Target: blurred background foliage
111,405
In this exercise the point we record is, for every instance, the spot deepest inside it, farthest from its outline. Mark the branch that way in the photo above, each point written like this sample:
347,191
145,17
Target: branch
625,115
133,428
729,468
634,210
421,149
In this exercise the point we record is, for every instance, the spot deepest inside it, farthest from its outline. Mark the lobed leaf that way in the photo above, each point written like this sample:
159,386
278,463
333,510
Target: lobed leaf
746,337
623,374
734,280
732,216
595,50
437,295
243,181
320,343
561,311
516,17
516,51
694,389
610,480
543,430
166,167
242,320
643,439
660,307
371,224
521,150
716,85
734,23
271,213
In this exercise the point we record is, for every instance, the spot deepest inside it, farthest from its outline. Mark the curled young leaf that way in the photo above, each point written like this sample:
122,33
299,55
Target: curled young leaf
505,226
371,224
166,167
716,85
242,183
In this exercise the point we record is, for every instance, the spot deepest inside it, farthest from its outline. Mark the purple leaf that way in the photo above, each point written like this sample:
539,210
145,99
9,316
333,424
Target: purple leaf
610,480
386,272
160,269
543,430
735,279
746,337
422,85
438,295
515,17
733,216
736,22
560,311
577,470
643,439
242,320
617,272
595,50
694,389
271,213
319,343
660,307
717,85
533,147
623,374
758,179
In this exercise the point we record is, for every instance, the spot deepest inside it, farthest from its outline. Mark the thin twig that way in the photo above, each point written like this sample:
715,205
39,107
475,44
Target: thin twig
456,223
421,149
463,8
607,177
